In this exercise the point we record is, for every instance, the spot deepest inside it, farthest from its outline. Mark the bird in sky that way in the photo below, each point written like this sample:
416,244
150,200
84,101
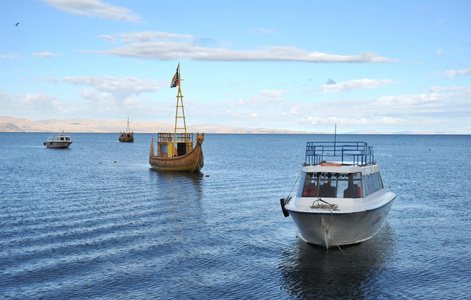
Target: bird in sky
16,24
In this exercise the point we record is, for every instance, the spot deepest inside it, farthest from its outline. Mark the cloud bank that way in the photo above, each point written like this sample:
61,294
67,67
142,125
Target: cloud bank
357,84
95,8
169,46
452,73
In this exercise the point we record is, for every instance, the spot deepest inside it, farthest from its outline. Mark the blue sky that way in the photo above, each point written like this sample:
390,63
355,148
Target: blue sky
367,66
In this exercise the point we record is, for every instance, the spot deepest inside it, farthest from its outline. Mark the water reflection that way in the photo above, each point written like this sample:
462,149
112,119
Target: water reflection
178,185
312,272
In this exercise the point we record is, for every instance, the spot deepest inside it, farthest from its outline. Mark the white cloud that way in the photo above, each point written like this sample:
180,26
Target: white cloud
13,55
357,84
119,86
30,105
354,121
168,46
94,8
105,94
452,73
46,54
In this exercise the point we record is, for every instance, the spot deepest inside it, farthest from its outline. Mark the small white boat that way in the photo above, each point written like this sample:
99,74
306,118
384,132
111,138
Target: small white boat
59,140
341,199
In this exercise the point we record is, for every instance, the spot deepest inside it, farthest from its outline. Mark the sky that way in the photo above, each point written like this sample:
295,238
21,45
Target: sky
364,66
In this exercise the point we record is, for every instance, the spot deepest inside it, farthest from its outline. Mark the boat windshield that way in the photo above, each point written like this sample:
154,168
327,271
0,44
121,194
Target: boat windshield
332,185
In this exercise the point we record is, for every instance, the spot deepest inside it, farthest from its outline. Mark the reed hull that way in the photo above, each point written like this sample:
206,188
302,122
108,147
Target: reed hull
126,137
329,229
190,162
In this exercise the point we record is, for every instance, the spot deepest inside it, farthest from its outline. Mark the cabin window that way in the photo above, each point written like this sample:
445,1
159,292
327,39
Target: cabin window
327,185
310,185
349,185
332,185
372,183
164,149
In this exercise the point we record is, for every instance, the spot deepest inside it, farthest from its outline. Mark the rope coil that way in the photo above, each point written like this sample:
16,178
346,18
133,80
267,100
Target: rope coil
319,203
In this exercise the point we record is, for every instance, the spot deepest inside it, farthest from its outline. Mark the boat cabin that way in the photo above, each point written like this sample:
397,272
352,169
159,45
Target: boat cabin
173,145
340,170
340,185
59,138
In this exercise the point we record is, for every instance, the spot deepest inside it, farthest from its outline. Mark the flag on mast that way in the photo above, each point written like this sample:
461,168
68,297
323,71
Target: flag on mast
176,78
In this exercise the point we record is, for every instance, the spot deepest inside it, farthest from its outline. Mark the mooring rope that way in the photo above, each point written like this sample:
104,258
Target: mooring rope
327,232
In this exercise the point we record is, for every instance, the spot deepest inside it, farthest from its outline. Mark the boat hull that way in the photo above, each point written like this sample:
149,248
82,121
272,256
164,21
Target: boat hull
334,228
57,145
126,137
190,162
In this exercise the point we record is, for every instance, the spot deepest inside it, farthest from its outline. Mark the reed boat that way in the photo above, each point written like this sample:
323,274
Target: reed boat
58,141
176,151
127,136
341,198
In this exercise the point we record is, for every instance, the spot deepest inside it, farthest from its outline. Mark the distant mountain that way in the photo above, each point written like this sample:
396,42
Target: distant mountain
11,124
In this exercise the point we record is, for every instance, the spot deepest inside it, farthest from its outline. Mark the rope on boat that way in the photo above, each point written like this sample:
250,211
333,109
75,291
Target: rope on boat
289,195
327,229
324,205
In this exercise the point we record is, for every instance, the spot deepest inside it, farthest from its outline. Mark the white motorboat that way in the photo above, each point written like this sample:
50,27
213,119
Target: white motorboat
341,199
59,140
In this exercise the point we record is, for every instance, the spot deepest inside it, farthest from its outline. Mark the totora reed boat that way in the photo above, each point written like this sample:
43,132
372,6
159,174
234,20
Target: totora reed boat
341,199
127,136
176,151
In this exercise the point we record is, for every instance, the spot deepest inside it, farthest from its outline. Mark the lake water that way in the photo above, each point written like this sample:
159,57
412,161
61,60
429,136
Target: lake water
96,222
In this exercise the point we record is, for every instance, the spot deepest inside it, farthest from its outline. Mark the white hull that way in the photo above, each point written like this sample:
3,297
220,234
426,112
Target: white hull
336,228
59,141
57,144
341,198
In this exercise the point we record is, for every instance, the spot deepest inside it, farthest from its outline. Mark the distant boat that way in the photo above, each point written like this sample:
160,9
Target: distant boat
341,199
59,140
176,151
127,136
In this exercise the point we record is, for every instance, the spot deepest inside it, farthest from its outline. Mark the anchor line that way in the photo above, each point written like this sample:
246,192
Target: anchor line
327,232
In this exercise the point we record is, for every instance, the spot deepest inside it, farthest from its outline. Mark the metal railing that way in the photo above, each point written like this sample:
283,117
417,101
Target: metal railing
349,153
179,138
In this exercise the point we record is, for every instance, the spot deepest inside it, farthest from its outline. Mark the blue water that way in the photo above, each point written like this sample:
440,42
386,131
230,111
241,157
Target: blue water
96,222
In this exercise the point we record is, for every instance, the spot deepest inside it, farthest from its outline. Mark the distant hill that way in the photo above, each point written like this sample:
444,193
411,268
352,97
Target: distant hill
11,124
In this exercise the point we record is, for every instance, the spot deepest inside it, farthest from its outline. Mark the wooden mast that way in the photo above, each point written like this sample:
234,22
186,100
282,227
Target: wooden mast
180,107
128,129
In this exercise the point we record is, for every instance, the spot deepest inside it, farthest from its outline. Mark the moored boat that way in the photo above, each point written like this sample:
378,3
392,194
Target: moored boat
127,136
59,141
341,198
176,151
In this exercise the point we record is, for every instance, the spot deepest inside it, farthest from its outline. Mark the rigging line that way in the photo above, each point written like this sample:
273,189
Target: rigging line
287,198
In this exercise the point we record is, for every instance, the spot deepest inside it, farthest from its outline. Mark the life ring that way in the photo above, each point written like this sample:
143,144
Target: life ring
330,164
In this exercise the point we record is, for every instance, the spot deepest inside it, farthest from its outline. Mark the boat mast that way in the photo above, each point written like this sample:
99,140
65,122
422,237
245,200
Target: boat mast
128,129
179,105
